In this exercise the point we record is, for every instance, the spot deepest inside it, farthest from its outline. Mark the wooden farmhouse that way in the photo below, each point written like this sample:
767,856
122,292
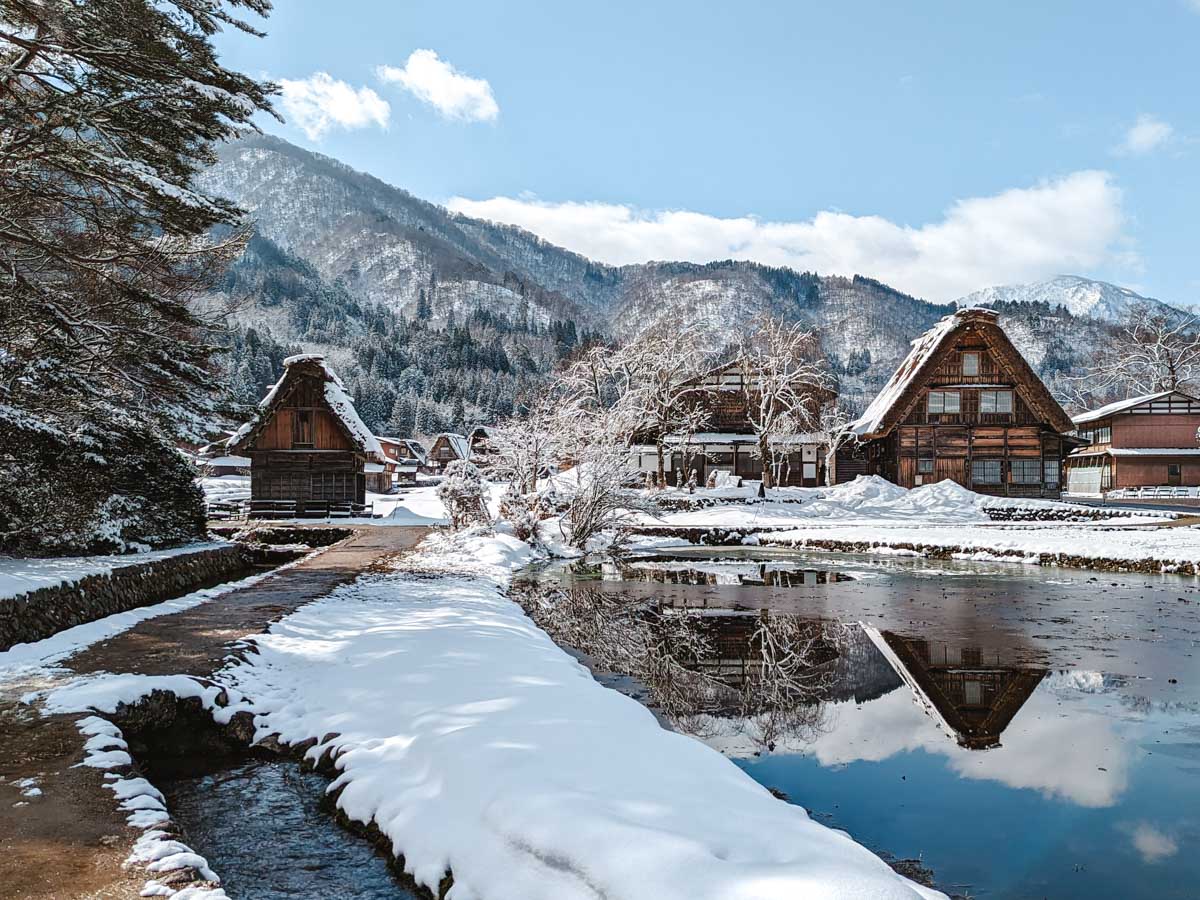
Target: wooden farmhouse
964,406
729,444
308,448
447,448
405,457
1148,444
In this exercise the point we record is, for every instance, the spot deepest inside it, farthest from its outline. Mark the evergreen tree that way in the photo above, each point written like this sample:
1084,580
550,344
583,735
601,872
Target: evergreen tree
110,108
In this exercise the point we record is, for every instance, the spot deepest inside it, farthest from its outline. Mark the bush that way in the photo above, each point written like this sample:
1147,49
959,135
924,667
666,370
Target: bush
464,495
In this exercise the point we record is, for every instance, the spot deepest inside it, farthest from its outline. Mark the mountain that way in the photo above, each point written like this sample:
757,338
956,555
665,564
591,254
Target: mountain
1083,297
449,319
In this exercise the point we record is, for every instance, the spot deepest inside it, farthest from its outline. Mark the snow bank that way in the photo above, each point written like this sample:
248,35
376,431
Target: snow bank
20,575
478,746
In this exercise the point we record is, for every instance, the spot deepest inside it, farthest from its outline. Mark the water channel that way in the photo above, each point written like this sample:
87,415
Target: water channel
1022,732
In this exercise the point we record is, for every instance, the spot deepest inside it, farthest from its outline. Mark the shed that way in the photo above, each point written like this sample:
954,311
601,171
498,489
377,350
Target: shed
307,446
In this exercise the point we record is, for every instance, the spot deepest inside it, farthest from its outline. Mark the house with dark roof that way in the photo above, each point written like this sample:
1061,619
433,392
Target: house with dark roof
307,446
447,448
1138,446
964,406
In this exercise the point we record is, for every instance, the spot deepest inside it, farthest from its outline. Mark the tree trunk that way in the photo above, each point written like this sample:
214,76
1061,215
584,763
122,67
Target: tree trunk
765,455
662,469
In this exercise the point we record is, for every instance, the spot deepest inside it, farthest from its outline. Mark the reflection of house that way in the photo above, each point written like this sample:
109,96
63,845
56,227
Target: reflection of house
307,446
968,692
1144,442
965,406
730,445
447,448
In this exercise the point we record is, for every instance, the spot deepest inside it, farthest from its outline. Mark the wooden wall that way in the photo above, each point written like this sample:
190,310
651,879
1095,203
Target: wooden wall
1157,430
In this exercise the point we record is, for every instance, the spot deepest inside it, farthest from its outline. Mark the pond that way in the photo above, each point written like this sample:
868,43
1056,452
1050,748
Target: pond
1022,732
261,826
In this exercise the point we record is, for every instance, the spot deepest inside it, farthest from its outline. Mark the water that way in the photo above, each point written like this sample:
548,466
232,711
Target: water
261,827
1024,732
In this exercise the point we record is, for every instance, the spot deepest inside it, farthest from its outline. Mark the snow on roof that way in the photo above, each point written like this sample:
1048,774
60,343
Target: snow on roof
1154,451
923,349
459,443
339,402
1121,406
730,437
373,468
228,461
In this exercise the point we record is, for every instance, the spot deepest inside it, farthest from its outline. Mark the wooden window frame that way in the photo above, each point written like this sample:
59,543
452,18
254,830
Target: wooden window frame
999,463
973,355
994,397
943,396
301,417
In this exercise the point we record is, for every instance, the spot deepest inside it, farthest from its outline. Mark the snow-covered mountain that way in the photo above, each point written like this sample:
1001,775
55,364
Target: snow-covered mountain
355,241
1083,297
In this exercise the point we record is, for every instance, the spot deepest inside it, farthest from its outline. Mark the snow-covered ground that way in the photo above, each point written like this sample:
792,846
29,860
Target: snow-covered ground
480,747
410,506
20,575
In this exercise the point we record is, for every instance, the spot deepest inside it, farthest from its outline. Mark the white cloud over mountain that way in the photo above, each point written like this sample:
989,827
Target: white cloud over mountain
434,81
1068,224
321,103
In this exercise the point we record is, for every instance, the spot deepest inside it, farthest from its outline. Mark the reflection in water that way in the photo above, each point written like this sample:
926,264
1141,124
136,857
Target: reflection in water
1054,716
971,697
765,574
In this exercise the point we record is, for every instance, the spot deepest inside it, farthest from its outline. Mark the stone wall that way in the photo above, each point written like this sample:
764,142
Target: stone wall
46,611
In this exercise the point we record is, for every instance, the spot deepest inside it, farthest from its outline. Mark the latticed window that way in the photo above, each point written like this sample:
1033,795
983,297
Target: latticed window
995,401
1027,471
970,363
985,471
1051,471
943,402
302,428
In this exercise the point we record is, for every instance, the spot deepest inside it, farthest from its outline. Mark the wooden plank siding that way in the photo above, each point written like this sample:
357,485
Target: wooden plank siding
918,446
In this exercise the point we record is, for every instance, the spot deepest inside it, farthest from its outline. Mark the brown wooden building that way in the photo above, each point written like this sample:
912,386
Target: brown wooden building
1151,441
729,444
405,457
447,448
965,406
308,448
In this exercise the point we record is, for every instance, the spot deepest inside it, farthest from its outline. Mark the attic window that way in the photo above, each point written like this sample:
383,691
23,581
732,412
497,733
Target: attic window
970,363
302,428
943,402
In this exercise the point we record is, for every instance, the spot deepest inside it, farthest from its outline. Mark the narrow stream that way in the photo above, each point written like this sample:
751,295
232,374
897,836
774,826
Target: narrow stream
1021,732
262,828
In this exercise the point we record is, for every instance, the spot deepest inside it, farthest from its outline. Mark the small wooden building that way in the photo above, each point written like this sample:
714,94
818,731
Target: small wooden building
405,457
447,448
1150,441
964,406
308,448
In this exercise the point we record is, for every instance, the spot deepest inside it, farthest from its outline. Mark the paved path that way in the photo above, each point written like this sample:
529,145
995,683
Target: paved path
71,841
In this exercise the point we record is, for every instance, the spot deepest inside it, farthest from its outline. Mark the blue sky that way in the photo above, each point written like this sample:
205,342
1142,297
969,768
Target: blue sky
940,146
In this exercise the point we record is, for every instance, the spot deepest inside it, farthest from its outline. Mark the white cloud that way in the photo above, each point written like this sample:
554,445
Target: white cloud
1068,224
1152,844
1146,134
434,81
321,102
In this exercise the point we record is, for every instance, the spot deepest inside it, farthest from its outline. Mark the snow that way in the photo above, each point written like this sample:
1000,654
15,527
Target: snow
20,575
478,746
1119,406
459,444
24,657
1081,296
1154,451
923,349
241,462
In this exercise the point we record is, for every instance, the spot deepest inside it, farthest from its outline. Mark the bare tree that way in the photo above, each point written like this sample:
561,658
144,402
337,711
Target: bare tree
1153,350
783,379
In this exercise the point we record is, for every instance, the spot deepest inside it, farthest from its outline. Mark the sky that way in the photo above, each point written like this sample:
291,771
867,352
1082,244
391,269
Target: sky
942,147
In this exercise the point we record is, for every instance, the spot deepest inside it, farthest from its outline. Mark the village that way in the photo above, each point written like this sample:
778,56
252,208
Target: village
717,489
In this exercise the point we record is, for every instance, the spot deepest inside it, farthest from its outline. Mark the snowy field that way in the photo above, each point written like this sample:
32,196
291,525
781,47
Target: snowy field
20,575
411,506
480,747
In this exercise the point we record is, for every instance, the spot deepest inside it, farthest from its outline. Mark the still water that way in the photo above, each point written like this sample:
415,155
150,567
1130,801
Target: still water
261,827
1023,732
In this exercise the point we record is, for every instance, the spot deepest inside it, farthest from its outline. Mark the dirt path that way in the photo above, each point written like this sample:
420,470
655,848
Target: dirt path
70,841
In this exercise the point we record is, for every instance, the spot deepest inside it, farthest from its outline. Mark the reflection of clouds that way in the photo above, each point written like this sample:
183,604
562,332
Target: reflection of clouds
1151,844
1077,756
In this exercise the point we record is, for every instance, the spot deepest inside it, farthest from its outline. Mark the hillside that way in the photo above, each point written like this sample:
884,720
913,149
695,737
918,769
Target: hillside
1084,297
386,282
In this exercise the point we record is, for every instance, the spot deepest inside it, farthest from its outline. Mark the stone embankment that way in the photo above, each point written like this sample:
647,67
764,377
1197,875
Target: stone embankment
46,611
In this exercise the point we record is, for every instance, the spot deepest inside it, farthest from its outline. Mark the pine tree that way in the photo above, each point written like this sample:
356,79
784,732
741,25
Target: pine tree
110,108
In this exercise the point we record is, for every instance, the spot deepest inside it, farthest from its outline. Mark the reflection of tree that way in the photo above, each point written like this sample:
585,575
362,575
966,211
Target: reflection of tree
768,672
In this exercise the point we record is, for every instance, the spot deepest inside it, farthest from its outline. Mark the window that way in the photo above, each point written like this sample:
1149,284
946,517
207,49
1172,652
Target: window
1026,471
302,428
995,401
1051,471
985,471
1100,434
943,402
970,363
924,466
